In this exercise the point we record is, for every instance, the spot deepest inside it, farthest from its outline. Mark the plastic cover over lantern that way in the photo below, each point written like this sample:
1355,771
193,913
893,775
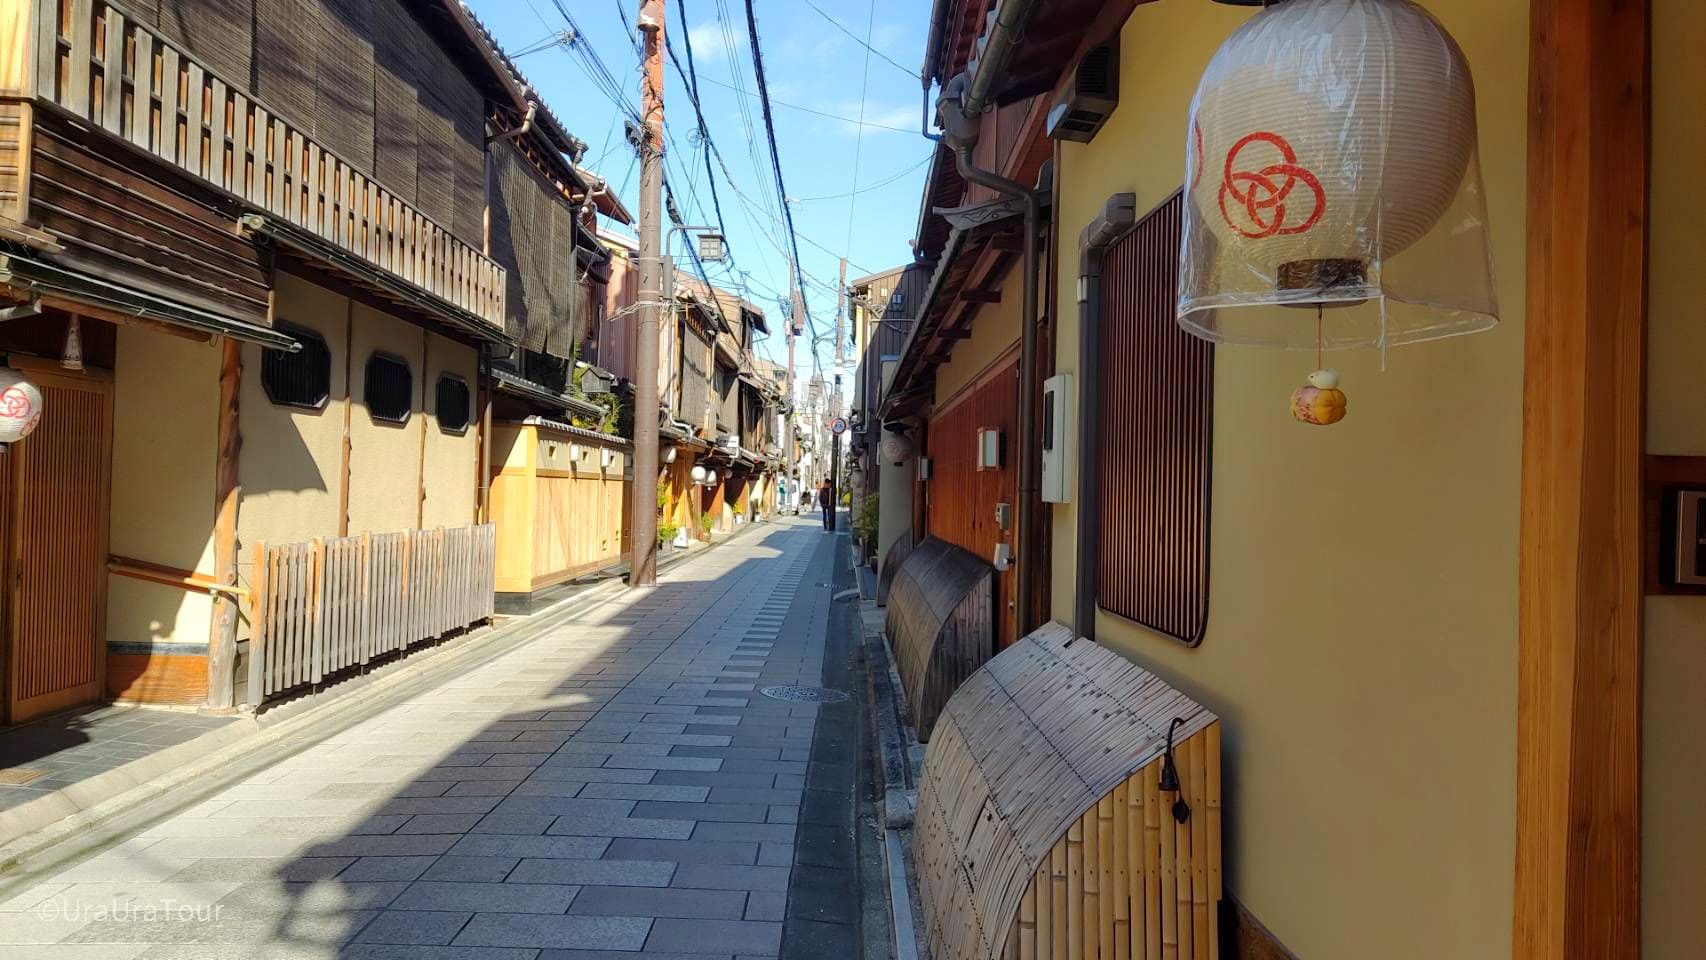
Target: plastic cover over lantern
1334,193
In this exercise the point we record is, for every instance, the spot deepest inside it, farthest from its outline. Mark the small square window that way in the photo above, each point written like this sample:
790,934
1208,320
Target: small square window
300,379
390,388
452,404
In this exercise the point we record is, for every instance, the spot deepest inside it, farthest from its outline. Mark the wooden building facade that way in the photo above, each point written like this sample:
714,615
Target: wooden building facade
247,244
1463,583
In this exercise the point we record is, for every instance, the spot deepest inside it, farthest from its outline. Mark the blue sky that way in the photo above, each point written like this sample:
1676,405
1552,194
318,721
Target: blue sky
812,68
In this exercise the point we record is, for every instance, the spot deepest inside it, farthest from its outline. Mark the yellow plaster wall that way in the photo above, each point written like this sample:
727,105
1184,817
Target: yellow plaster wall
451,459
995,329
1674,770
1361,643
385,458
291,463
165,452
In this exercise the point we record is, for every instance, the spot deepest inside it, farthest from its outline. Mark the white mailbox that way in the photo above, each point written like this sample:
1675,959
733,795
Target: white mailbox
1058,426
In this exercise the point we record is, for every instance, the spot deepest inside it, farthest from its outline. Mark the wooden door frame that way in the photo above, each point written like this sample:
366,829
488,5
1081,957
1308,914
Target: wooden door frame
48,373
1578,830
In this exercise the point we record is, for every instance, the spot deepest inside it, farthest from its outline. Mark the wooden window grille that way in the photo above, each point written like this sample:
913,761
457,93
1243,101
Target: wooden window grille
300,379
1156,432
389,390
453,404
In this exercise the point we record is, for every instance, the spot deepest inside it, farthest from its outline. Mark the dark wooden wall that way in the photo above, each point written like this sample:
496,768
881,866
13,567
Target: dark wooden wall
960,499
132,220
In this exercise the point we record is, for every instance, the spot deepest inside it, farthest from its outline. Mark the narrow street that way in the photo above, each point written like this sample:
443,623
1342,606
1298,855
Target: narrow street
618,787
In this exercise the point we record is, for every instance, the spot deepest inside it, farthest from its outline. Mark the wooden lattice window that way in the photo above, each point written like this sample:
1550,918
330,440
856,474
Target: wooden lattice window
389,392
1156,430
300,379
453,404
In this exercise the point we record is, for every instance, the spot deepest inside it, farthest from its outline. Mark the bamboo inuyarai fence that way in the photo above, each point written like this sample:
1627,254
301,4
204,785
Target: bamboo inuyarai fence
328,605
1046,828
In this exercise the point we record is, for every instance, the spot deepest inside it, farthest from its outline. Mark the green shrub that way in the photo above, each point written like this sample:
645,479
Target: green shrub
865,523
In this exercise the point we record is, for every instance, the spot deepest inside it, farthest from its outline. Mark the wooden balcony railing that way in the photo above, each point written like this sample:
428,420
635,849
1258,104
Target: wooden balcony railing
121,76
325,606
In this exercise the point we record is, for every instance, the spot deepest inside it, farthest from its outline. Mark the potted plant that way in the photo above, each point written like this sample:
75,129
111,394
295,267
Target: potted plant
667,533
706,521
865,526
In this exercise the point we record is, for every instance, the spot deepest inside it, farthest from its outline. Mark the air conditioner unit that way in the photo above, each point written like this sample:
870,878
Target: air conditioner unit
1091,97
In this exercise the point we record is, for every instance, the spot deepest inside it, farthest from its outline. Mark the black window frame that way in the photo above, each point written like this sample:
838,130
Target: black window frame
367,381
272,361
467,403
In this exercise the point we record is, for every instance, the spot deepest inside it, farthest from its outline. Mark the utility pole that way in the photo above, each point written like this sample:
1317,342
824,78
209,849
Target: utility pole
796,324
835,465
643,565
840,308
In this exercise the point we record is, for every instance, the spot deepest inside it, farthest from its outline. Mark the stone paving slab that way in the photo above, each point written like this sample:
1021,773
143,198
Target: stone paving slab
616,788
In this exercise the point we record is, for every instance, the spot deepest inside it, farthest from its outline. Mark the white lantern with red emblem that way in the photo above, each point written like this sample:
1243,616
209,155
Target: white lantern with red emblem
20,406
1331,165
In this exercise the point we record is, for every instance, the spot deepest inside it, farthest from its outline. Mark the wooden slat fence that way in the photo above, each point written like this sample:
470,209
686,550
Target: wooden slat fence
126,78
325,606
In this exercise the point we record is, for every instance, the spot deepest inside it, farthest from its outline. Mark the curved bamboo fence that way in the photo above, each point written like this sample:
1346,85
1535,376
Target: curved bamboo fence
1042,831
940,624
896,556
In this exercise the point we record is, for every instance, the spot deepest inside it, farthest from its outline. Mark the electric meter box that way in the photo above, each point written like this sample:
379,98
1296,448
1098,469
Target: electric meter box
1058,426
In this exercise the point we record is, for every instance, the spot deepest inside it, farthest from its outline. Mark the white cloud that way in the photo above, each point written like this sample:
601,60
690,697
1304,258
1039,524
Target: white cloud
707,40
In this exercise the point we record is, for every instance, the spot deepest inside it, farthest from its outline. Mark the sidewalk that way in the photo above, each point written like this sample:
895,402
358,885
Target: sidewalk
68,765
622,784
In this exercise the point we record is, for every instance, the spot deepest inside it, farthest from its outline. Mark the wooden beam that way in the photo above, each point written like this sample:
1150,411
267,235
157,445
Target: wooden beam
980,296
222,635
1579,663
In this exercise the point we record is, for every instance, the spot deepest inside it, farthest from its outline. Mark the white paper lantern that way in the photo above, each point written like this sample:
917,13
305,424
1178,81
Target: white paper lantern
896,448
698,473
20,406
1327,138
710,478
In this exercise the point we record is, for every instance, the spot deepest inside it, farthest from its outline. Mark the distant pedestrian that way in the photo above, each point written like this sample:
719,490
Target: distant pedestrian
826,500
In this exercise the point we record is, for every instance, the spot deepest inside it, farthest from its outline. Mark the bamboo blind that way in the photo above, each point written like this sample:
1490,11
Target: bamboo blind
131,80
1041,829
321,607
533,236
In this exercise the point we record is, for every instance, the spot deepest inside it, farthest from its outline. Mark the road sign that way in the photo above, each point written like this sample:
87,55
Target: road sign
838,426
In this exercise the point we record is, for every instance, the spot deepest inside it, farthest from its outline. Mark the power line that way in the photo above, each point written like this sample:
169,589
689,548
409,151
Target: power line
866,43
692,80
867,188
770,135
815,112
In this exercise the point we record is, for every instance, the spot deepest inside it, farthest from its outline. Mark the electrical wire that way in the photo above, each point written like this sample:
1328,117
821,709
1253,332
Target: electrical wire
866,43
815,112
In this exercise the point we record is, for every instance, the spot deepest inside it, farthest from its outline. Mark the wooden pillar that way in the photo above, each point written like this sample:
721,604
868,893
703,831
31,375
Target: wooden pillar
222,635
1579,670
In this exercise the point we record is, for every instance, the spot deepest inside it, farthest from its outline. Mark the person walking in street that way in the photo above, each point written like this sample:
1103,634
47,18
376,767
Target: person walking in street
826,500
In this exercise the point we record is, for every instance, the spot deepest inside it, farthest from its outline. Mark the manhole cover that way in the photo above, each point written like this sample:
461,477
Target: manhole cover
804,694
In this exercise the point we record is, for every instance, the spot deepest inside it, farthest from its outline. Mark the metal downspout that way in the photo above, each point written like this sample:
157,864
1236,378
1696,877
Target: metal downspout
1025,442
1010,19
1114,222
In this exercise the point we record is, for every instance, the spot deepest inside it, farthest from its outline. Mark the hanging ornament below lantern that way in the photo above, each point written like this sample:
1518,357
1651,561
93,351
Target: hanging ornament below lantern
1331,161
71,357
20,406
1320,401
